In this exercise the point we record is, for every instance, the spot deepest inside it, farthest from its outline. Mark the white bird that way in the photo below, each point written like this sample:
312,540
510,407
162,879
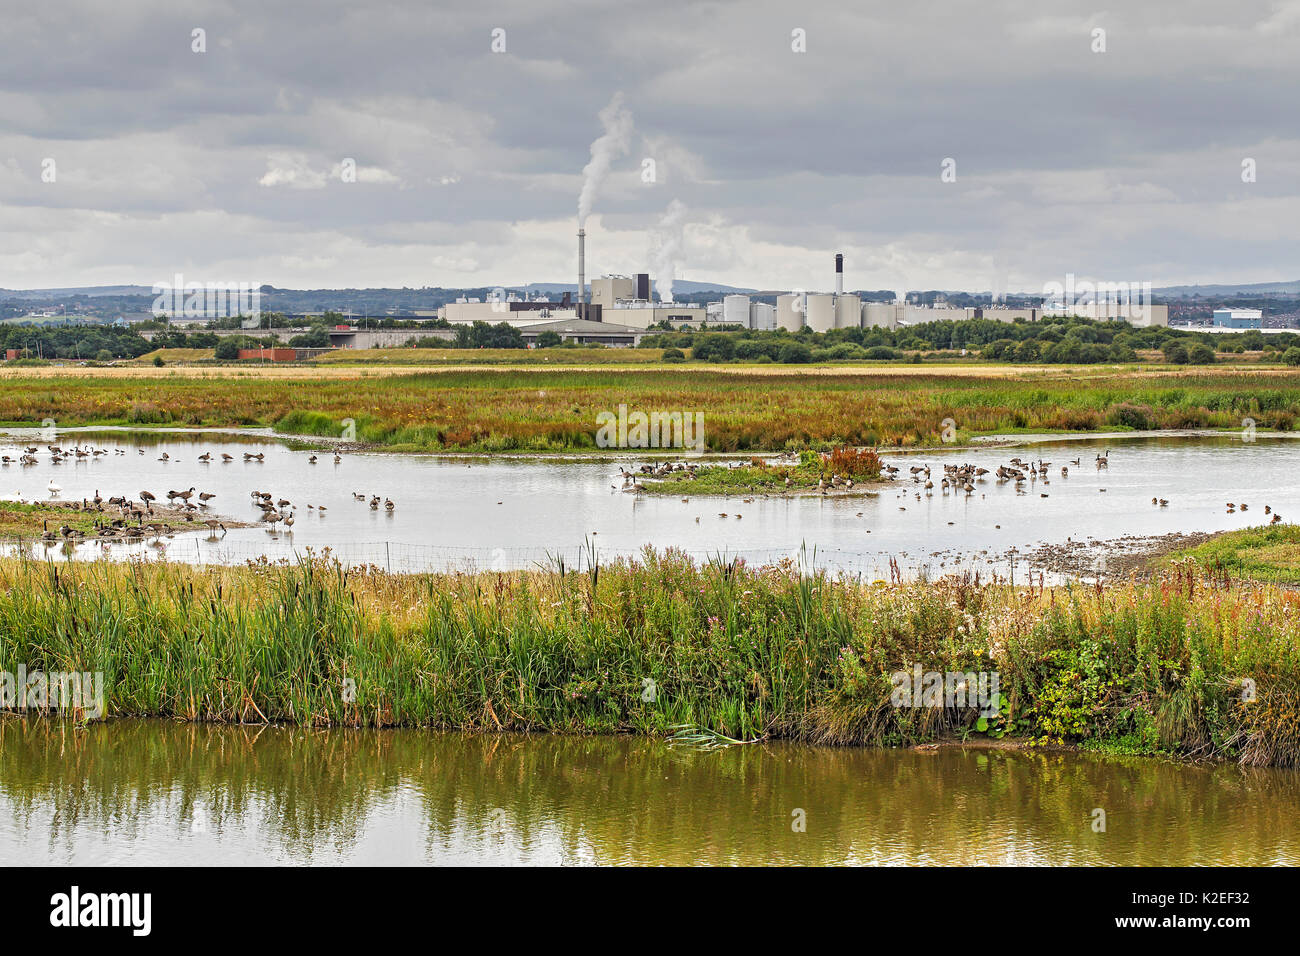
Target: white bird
54,489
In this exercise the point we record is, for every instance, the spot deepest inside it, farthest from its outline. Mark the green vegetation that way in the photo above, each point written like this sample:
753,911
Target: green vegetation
1261,554
1061,341
29,520
759,409
836,472
1155,668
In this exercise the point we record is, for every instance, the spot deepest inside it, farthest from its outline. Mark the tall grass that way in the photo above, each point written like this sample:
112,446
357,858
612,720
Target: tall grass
538,409
648,646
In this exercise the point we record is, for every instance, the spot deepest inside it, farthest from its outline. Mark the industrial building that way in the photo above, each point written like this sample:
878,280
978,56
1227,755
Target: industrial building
625,302
1238,319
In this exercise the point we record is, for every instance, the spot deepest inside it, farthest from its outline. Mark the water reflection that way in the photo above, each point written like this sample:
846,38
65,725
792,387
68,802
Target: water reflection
157,792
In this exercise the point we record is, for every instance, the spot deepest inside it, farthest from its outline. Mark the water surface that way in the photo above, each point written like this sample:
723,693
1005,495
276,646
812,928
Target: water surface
153,792
501,514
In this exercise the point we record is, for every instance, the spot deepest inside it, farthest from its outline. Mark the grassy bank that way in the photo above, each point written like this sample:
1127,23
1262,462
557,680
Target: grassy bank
759,409
644,648
21,520
1269,554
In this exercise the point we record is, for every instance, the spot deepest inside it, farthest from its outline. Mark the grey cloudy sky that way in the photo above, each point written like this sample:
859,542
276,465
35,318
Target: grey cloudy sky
1123,165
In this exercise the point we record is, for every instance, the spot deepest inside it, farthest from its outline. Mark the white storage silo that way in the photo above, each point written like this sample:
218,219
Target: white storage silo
735,310
848,312
821,311
790,310
762,317
879,315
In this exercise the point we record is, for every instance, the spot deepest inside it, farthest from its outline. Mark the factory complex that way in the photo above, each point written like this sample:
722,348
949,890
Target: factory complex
625,306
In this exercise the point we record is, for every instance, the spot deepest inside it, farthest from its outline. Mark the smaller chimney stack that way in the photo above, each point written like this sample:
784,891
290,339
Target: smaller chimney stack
839,273
582,271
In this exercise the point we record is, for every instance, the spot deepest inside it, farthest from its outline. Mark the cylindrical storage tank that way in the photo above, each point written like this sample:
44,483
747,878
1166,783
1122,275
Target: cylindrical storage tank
848,312
821,312
735,310
790,311
762,317
879,315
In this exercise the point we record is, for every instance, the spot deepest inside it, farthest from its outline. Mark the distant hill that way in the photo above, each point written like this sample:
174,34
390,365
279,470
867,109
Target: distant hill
1215,291
89,291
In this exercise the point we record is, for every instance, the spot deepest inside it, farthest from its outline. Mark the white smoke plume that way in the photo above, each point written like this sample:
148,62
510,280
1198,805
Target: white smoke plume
614,142
666,242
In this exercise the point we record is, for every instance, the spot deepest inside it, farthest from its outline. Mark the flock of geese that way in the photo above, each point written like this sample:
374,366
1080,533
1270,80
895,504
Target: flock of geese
120,517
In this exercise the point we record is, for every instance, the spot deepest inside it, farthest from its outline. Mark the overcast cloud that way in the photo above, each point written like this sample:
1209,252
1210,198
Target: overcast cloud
230,164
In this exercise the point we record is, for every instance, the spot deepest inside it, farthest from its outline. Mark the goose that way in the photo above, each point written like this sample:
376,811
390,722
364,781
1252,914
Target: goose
225,457
97,500
388,504
206,456
337,459
213,524
146,497
288,520
164,457
206,496
46,533
1276,519
312,459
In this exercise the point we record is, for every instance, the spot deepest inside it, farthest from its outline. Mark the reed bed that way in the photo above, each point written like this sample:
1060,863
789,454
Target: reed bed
762,410
662,643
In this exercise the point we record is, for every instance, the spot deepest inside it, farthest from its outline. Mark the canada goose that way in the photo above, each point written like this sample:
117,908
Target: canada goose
146,497
288,520
97,500
312,459
46,533
1164,502
225,457
164,457
206,456
206,496
374,503
1276,519
388,504
213,524
337,459
357,496
1268,509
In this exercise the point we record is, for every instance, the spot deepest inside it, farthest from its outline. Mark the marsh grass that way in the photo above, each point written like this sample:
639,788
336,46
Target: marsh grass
532,409
734,651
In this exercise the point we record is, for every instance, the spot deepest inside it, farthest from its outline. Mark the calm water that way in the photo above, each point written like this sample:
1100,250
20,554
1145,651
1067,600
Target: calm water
505,514
152,792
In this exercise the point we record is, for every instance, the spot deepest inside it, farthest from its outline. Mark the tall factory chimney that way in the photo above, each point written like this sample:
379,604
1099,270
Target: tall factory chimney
582,271
839,273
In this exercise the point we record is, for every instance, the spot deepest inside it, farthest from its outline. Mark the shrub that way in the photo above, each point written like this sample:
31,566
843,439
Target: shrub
674,355
1292,355
1200,354
794,353
1129,415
